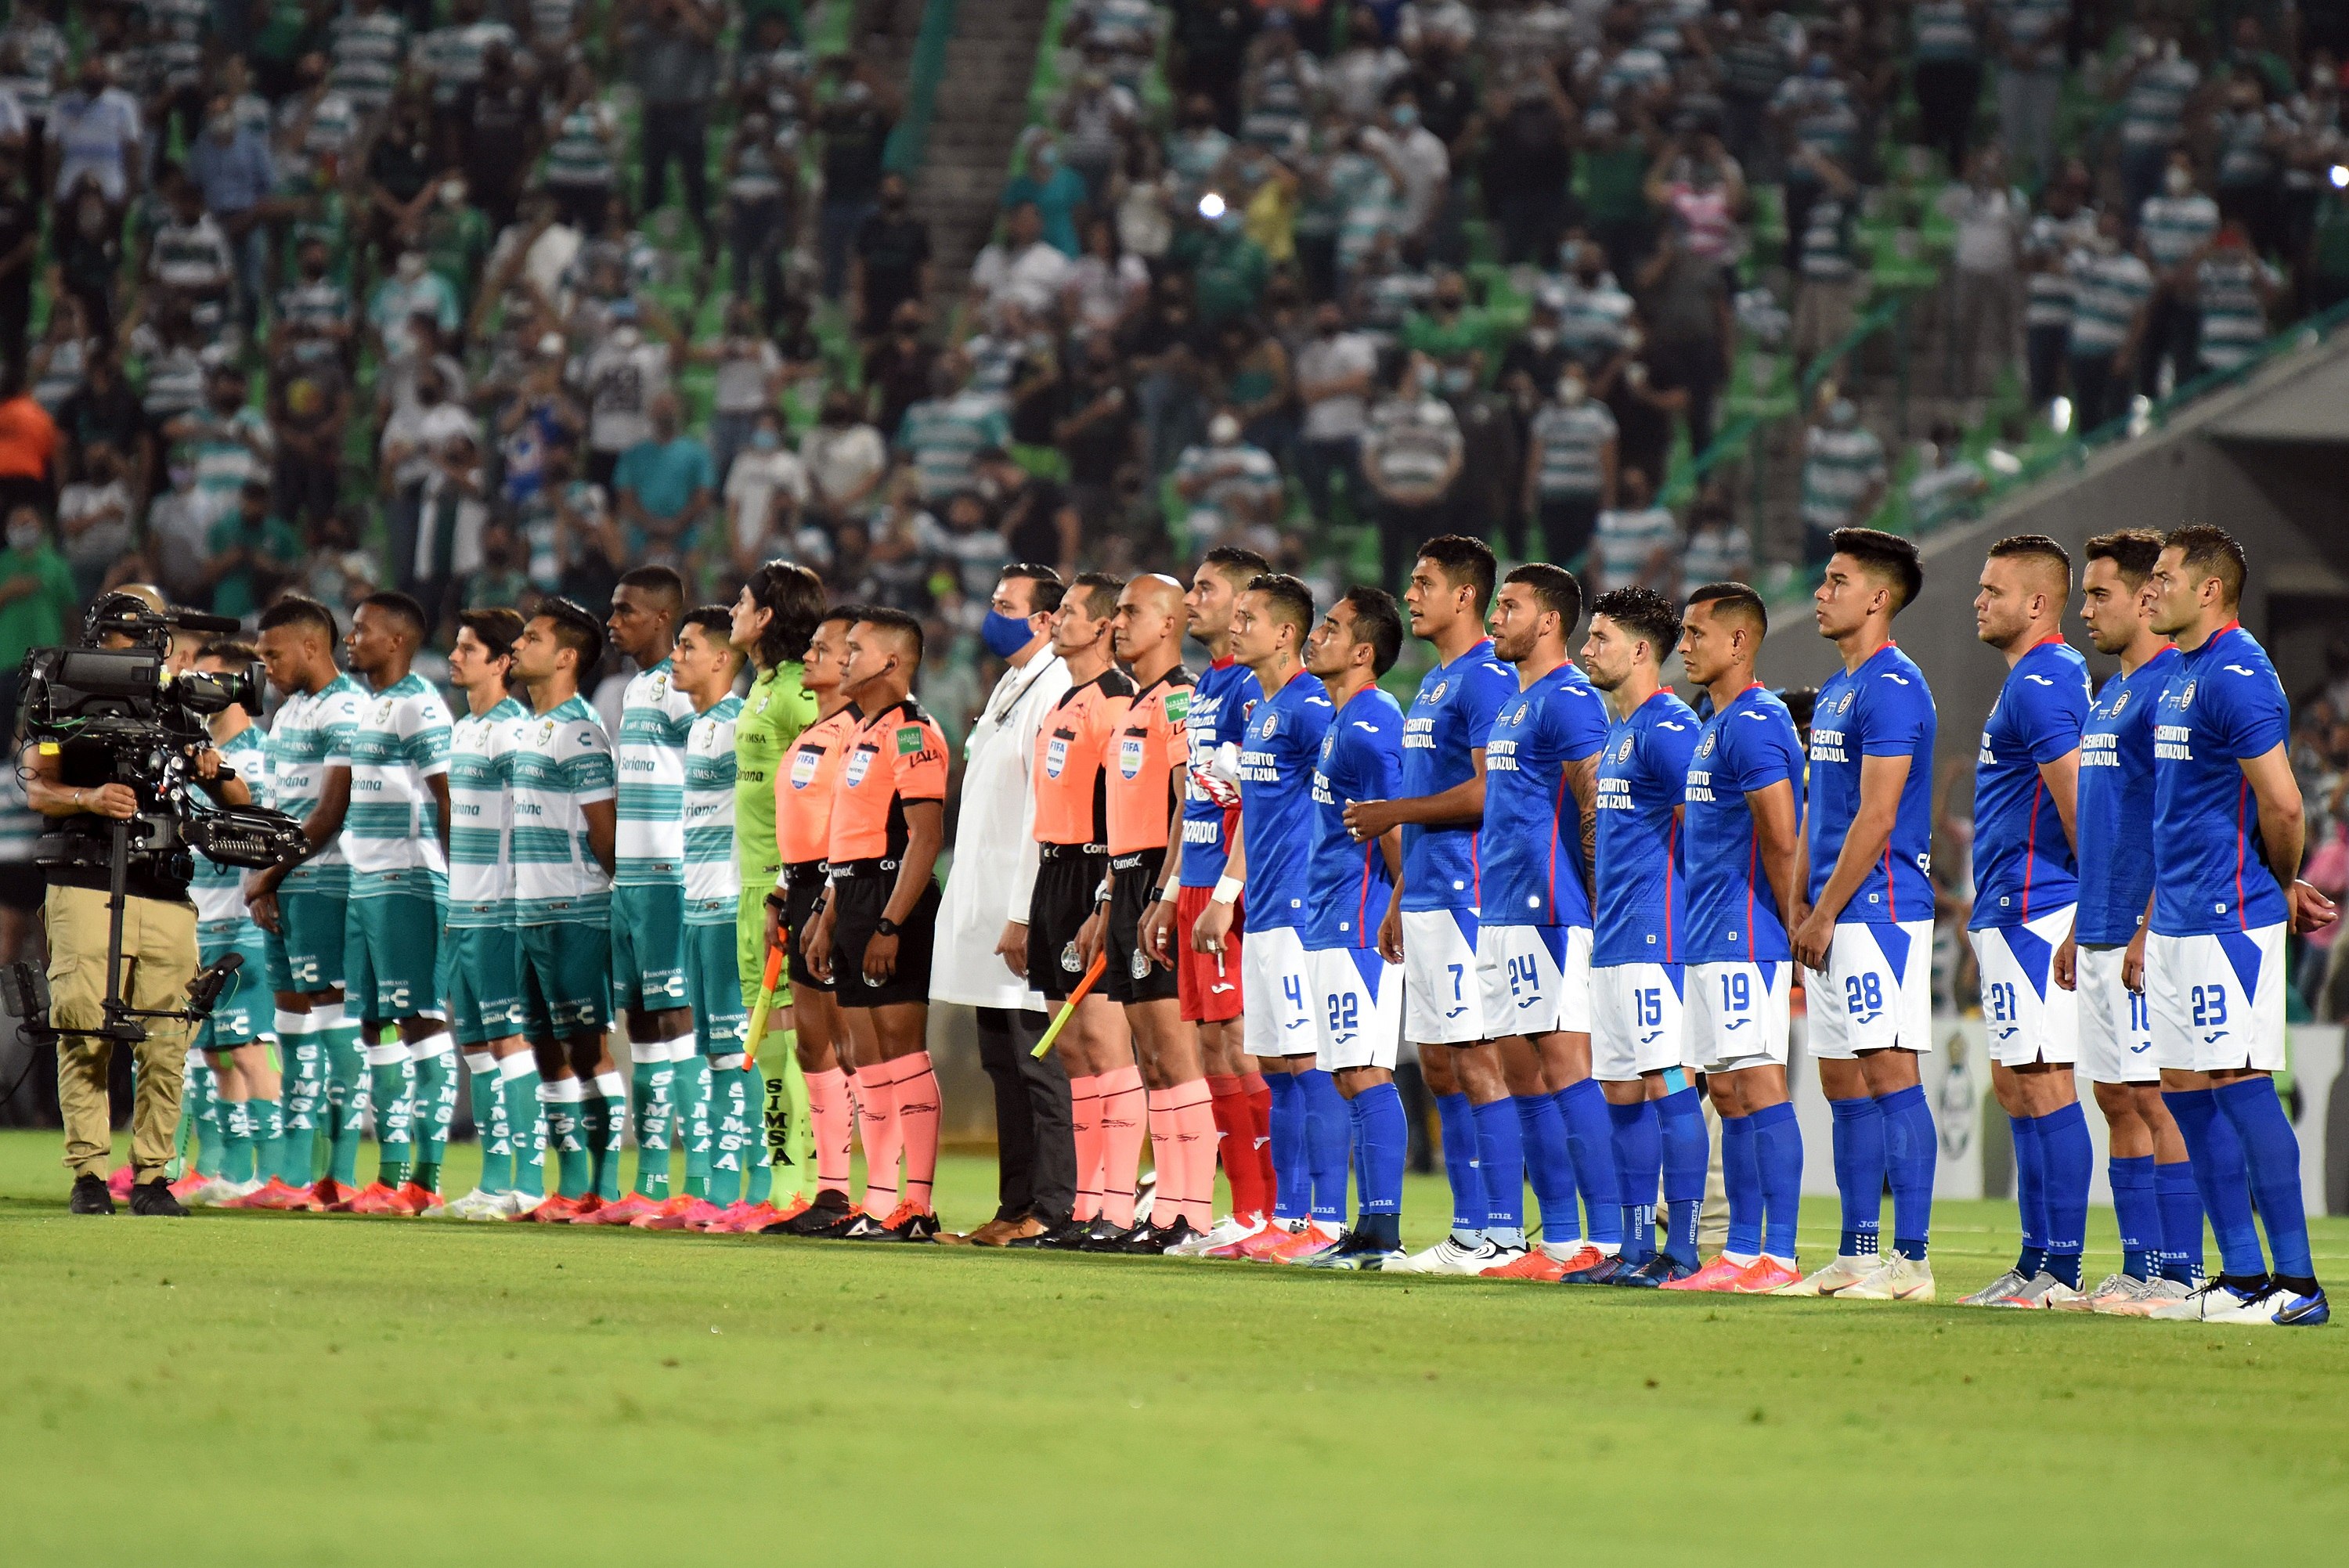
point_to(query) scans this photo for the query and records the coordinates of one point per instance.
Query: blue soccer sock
(2068, 1160)
(1501, 1162)
(2220, 1178)
(1680, 1118)
(2181, 1221)
(1860, 1173)
(1778, 1159)
(1909, 1152)
(2030, 1194)
(1639, 1168)
(2271, 1150)
(2135, 1212)
(1327, 1133)
(1458, 1126)
(1542, 1128)
(1292, 1159)
(1384, 1142)
(1590, 1144)
(1740, 1177)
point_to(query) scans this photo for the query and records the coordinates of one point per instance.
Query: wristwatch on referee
(884, 926)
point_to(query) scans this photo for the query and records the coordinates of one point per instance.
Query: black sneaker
(1153, 1240)
(828, 1218)
(1067, 1239)
(911, 1228)
(89, 1197)
(1116, 1241)
(154, 1198)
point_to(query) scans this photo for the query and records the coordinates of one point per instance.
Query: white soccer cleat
(1996, 1292)
(1230, 1231)
(479, 1205)
(1839, 1276)
(2258, 1309)
(222, 1192)
(2211, 1301)
(2158, 1292)
(1451, 1256)
(1897, 1278)
(523, 1203)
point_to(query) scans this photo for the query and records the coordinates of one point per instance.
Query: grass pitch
(249, 1388)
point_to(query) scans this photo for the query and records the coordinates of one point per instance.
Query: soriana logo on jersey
(1129, 755)
(859, 760)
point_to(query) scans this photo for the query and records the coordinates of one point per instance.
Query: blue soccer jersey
(2023, 866)
(1732, 911)
(1642, 775)
(1282, 742)
(1220, 705)
(1530, 848)
(2221, 707)
(2116, 802)
(1360, 759)
(1881, 709)
(1450, 718)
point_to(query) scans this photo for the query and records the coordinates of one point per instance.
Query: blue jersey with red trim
(1361, 759)
(1449, 720)
(2221, 707)
(1642, 775)
(1881, 709)
(1530, 848)
(1277, 755)
(1732, 912)
(2023, 866)
(2116, 802)
(1221, 701)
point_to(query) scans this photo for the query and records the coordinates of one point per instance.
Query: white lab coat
(995, 856)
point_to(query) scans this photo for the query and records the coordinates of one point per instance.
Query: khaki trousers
(159, 959)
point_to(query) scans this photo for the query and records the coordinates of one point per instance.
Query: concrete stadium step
(981, 108)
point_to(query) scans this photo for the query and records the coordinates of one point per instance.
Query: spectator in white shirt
(1019, 266)
(764, 492)
(1335, 375)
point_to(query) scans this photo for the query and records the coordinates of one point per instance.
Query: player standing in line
(1866, 927)
(1106, 1102)
(1357, 993)
(329, 1095)
(2026, 883)
(1430, 925)
(1143, 781)
(562, 781)
(477, 954)
(1533, 923)
(2228, 827)
(2154, 1200)
(803, 797)
(236, 1040)
(1741, 824)
(1270, 858)
(872, 934)
(1207, 985)
(648, 937)
(1640, 1048)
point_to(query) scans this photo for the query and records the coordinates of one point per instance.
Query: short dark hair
(909, 626)
(1645, 612)
(575, 629)
(229, 651)
(1292, 601)
(299, 610)
(1554, 590)
(1465, 561)
(1889, 556)
(1235, 563)
(2213, 552)
(794, 598)
(715, 619)
(2023, 546)
(848, 613)
(1097, 584)
(1800, 701)
(1735, 599)
(400, 607)
(664, 583)
(2132, 551)
(1045, 597)
(1376, 621)
(498, 628)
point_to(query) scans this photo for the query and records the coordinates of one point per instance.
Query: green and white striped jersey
(557, 763)
(217, 890)
(393, 823)
(367, 52)
(481, 817)
(309, 726)
(654, 719)
(709, 871)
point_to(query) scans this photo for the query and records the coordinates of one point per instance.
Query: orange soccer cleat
(1276, 1234)
(1535, 1264)
(743, 1219)
(1762, 1275)
(415, 1199)
(557, 1210)
(626, 1211)
(272, 1194)
(374, 1198)
(1309, 1242)
(331, 1196)
(672, 1211)
(1721, 1274)
(188, 1186)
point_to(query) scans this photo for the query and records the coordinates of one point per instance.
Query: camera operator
(76, 778)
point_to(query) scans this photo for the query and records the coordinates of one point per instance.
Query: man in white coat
(981, 957)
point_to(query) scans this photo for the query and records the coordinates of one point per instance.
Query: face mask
(411, 268)
(222, 126)
(1571, 391)
(1634, 340)
(1048, 159)
(765, 441)
(1406, 116)
(2104, 245)
(1841, 413)
(1819, 66)
(2179, 182)
(1543, 338)
(626, 336)
(1004, 635)
(1223, 430)
(25, 536)
(452, 193)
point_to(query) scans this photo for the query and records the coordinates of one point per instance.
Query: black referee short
(803, 885)
(1062, 903)
(1132, 976)
(860, 900)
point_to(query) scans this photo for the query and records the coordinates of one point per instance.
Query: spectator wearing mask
(94, 518)
(499, 127)
(37, 598)
(1336, 373)
(2235, 288)
(1231, 489)
(1019, 268)
(662, 488)
(1990, 215)
(1418, 155)
(2173, 228)
(96, 129)
(28, 447)
(1843, 473)
(2158, 84)
(749, 380)
(858, 116)
(2064, 225)
(309, 410)
(620, 378)
(1594, 312)
(2028, 38)
(673, 54)
(1097, 434)
(1056, 190)
(1828, 282)
(2112, 291)
(942, 435)
(413, 289)
(765, 489)
(1528, 165)
(1685, 299)
(844, 457)
(1948, 482)
(1643, 411)
(890, 260)
(1412, 458)
(253, 553)
(1945, 73)
(1570, 470)
(1039, 520)
(1638, 541)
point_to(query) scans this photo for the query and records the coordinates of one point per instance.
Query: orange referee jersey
(1072, 751)
(805, 786)
(1154, 747)
(897, 754)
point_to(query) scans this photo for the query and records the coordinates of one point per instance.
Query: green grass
(257, 1388)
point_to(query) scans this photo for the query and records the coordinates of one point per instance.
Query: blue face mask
(1005, 635)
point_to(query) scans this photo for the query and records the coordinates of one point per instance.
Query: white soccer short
(1358, 1003)
(1276, 990)
(1535, 979)
(1738, 1014)
(1639, 1020)
(1878, 991)
(2116, 1023)
(2217, 1000)
(2028, 1016)
(1442, 1005)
